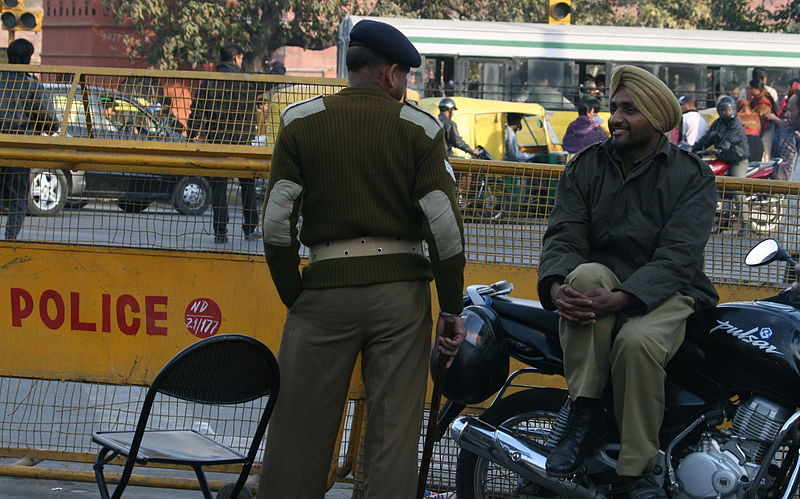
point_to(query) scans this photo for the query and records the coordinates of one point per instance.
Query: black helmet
(726, 107)
(481, 365)
(447, 104)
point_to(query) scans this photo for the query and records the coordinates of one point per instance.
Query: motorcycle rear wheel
(528, 412)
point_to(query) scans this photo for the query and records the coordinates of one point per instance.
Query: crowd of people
(766, 123)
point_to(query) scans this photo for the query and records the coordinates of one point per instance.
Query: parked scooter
(731, 427)
(764, 211)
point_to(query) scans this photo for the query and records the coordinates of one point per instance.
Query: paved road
(504, 242)
(28, 488)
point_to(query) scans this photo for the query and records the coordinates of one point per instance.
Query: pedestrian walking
(25, 109)
(224, 112)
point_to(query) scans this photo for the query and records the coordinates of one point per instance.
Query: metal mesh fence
(119, 196)
(221, 108)
(505, 210)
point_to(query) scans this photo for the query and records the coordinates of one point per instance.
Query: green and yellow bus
(551, 64)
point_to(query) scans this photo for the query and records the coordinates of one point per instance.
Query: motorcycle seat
(527, 312)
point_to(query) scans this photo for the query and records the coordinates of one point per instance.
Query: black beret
(385, 40)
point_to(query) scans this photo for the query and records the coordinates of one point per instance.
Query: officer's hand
(448, 345)
(796, 285)
(572, 306)
(607, 302)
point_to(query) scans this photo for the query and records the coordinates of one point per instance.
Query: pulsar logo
(750, 336)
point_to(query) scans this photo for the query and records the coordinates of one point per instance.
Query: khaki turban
(650, 95)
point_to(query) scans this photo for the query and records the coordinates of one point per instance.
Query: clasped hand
(448, 345)
(585, 308)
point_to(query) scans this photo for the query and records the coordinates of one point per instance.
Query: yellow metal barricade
(117, 267)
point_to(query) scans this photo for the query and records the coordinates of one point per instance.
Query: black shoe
(646, 487)
(221, 239)
(584, 432)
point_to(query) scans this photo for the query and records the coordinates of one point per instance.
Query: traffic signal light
(15, 18)
(559, 11)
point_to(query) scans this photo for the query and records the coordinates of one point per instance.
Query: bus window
(544, 82)
(416, 80)
(439, 76)
(486, 79)
(591, 81)
(779, 78)
(647, 67)
(683, 79)
(731, 81)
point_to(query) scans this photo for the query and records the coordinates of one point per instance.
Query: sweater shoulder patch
(303, 109)
(420, 117)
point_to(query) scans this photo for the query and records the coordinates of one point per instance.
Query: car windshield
(107, 112)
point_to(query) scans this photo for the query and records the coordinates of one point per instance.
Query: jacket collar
(228, 67)
(662, 151)
(366, 89)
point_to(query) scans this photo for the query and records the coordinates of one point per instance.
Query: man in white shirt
(694, 125)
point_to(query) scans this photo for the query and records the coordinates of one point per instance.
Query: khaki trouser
(325, 330)
(634, 351)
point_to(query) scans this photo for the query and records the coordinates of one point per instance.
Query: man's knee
(587, 276)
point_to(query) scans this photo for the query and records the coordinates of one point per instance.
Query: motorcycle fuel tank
(750, 346)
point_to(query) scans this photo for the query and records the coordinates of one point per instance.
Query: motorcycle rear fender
(533, 347)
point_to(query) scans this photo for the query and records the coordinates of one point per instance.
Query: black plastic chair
(222, 370)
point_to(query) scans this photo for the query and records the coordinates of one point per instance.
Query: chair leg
(123, 480)
(201, 477)
(99, 463)
(239, 486)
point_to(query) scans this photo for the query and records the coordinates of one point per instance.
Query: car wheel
(192, 195)
(49, 190)
(130, 206)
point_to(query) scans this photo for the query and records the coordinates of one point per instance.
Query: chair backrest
(224, 369)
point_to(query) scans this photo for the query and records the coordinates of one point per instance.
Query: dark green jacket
(650, 228)
(362, 164)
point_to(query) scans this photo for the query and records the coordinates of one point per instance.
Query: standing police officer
(373, 180)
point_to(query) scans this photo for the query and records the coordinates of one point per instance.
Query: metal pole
(433, 415)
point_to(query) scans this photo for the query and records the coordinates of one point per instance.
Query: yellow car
(482, 122)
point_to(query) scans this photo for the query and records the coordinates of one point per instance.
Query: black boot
(646, 487)
(585, 431)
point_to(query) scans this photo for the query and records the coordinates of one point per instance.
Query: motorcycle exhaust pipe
(519, 455)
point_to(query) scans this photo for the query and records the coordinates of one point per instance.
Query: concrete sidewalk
(33, 488)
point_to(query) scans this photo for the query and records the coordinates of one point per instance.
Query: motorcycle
(764, 211)
(731, 427)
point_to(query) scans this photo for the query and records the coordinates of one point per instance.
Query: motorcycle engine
(715, 470)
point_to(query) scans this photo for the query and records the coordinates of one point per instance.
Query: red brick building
(83, 33)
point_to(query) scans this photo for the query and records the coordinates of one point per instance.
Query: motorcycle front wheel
(531, 413)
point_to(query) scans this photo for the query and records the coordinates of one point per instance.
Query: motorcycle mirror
(765, 252)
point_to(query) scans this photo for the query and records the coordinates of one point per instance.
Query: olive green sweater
(359, 162)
